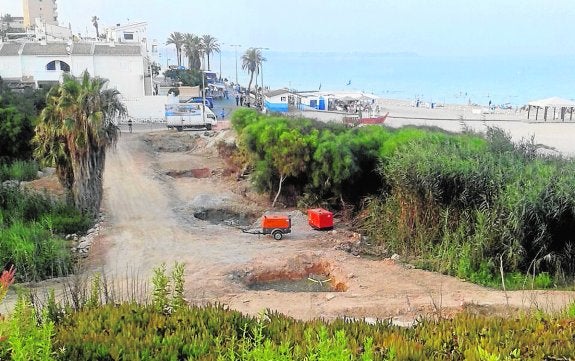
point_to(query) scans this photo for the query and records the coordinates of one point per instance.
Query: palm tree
(73, 132)
(177, 39)
(95, 23)
(210, 45)
(194, 51)
(252, 61)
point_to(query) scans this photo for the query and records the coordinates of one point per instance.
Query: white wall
(10, 67)
(125, 73)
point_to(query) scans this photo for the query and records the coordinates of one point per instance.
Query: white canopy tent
(555, 103)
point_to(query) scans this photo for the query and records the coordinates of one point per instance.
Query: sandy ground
(156, 180)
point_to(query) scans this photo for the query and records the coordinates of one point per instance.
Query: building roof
(47, 49)
(118, 49)
(554, 102)
(275, 93)
(9, 49)
(82, 48)
(65, 49)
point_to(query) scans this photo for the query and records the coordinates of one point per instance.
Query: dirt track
(150, 220)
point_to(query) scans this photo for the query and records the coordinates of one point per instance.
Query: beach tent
(555, 103)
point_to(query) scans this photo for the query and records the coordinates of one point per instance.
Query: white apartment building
(43, 9)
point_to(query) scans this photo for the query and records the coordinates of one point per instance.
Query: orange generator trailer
(275, 224)
(320, 219)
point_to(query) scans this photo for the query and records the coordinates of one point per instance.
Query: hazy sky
(427, 27)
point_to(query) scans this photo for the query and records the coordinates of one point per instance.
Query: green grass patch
(19, 170)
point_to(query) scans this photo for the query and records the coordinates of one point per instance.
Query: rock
(48, 171)
(39, 174)
(11, 184)
(395, 257)
(84, 245)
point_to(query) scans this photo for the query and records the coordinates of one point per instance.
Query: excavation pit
(295, 277)
(225, 217)
(311, 283)
(190, 173)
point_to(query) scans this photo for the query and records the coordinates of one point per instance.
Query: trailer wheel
(277, 235)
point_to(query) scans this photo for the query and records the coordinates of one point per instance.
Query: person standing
(237, 100)
(130, 125)
(222, 113)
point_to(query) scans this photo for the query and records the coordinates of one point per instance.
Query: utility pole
(236, 46)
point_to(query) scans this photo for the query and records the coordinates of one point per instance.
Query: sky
(425, 27)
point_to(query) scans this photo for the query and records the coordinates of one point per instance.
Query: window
(283, 99)
(128, 36)
(64, 67)
(58, 65)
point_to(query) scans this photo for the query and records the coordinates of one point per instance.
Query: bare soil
(155, 182)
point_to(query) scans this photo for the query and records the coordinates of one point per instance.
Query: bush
(30, 229)
(130, 331)
(19, 170)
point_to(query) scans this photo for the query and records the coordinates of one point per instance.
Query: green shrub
(19, 170)
(36, 252)
(28, 338)
(30, 229)
(130, 331)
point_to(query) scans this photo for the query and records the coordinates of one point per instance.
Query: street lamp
(220, 51)
(236, 46)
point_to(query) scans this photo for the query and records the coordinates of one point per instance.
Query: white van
(189, 115)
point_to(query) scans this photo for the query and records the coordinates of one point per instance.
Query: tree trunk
(282, 178)
(250, 85)
(87, 188)
(208, 55)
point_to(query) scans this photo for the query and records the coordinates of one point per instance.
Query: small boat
(354, 122)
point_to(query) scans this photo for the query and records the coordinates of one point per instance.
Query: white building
(128, 33)
(41, 64)
(42, 9)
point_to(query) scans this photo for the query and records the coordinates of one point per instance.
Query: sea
(513, 80)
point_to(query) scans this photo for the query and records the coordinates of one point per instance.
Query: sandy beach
(552, 133)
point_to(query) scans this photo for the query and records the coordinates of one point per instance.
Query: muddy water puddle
(312, 283)
(225, 217)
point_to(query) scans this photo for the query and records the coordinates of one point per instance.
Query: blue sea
(441, 79)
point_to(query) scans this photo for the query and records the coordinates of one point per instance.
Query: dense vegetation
(32, 225)
(471, 205)
(18, 111)
(94, 326)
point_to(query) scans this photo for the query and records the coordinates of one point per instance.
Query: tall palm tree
(95, 23)
(252, 61)
(210, 45)
(73, 132)
(177, 39)
(194, 51)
